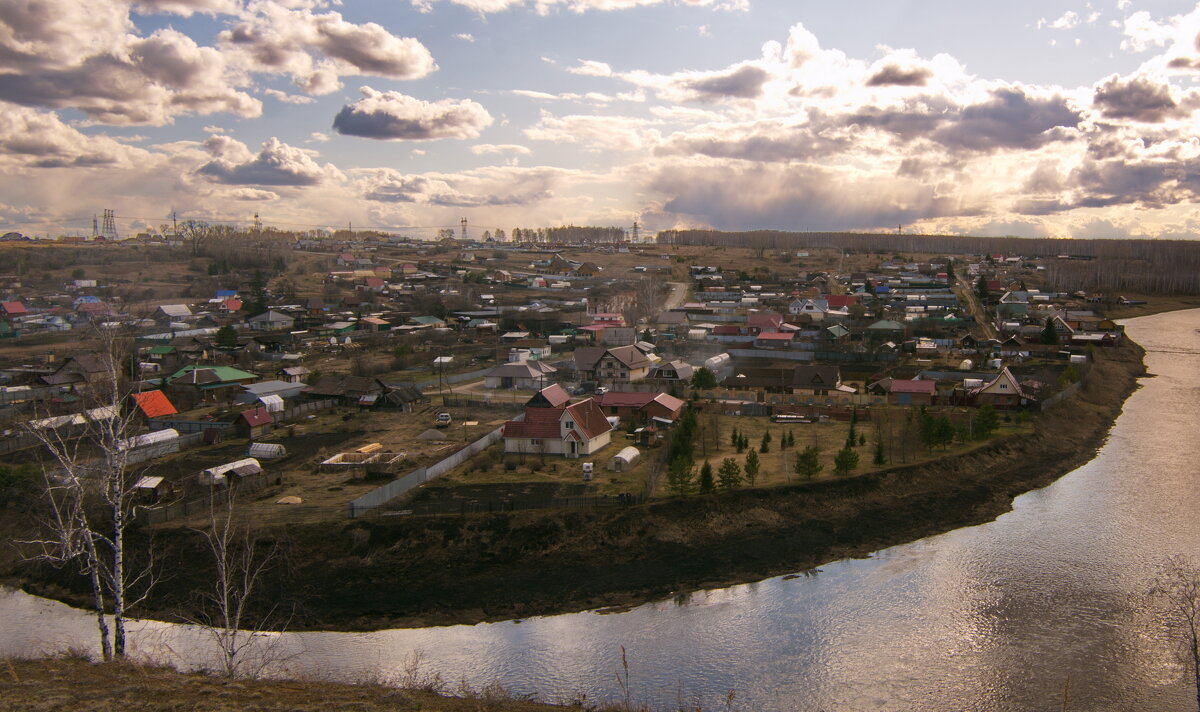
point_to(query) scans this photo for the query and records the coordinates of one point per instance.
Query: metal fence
(419, 476)
(512, 504)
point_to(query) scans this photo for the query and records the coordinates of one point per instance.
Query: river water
(1045, 603)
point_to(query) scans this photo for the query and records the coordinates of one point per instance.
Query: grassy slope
(52, 684)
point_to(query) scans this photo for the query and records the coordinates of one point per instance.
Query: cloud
(465, 37)
(1143, 32)
(318, 137)
(545, 7)
(289, 98)
(187, 8)
(618, 133)
(395, 116)
(893, 75)
(277, 164)
(592, 68)
(760, 141)
(486, 148)
(1066, 21)
(1140, 99)
(147, 80)
(485, 187)
(798, 197)
(252, 194)
(318, 48)
(745, 82)
(34, 139)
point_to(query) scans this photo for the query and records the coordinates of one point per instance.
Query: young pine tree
(765, 446)
(729, 477)
(751, 467)
(808, 463)
(845, 461)
(706, 484)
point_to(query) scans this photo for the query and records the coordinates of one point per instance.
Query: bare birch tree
(90, 490)
(1177, 589)
(240, 560)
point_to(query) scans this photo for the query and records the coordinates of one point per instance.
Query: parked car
(442, 420)
(601, 390)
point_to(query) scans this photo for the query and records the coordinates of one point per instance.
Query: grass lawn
(776, 465)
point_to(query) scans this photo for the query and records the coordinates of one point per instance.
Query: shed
(625, 460)
(217, 476)
(255, 423)
(273, 404)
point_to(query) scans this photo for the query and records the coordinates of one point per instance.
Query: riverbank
(73, 683)
(397, 572)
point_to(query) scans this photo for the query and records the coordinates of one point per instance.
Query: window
(570, 425)
(535, 443)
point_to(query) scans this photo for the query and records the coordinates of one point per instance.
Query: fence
(176, 510)
(188, 426)
(454, 378)
(512, 504)
(419, 476)
(303, 408)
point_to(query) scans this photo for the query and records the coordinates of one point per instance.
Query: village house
(532, 374)
(622, 364)
(551, 426)
(254, 423)
(1002, 392)
(905, 392)
(272, 320)
(641, 407)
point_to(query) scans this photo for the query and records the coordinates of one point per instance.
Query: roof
(587, 414)
(776, 336)
(520, 369)
(629, 356)
(898, 385)
(614, 399)
(175, 310)
(154, 404)
(348, 386)
(256, 417)
(549, 397)
(221, 374)
(13, 308)
(263, 388)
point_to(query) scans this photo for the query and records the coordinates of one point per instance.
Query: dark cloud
(743, 83)
(910, 122)
(762, 143)
(1139, 99)
(400, 190)
(795, 198)
(394, 116)
(1011, 120)
(894, 75)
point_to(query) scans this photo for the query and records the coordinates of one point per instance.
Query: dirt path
(679, 291)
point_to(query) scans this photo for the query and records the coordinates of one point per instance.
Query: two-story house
(553, 426)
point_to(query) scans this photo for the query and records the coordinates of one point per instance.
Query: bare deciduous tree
(90, 490)
(1177, 590)
(240, 560)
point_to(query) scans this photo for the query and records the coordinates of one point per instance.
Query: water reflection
(1002, 616)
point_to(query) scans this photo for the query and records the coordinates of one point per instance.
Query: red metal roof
(256, 417)
(777, 336)
(154, 404)
(13, 308)
(539, 423)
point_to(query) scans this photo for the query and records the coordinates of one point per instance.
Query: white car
(601, 390)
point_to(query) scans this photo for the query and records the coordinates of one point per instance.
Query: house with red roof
(641, 406)
(11, 309)
(568, 429)
(901, 391)
(153, 404)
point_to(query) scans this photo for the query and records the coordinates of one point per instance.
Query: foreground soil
(75, 684)
(410, 572)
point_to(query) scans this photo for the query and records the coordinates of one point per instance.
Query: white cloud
(465, 37)
(318, 137)
(486, 148)
(1143, 32)
(545, 7)
(1066, 21)
(617, 133)
(315, 49)
(34, 139)
(289, 98)
(277, 164)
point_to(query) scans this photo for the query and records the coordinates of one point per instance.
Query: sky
(1047, 118)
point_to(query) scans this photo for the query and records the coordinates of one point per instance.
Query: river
(1044, 602)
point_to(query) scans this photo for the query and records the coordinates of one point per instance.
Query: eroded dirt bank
(380, 573)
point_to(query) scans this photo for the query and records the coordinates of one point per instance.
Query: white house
(569, 430)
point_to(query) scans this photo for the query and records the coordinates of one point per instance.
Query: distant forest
(1141, 266)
